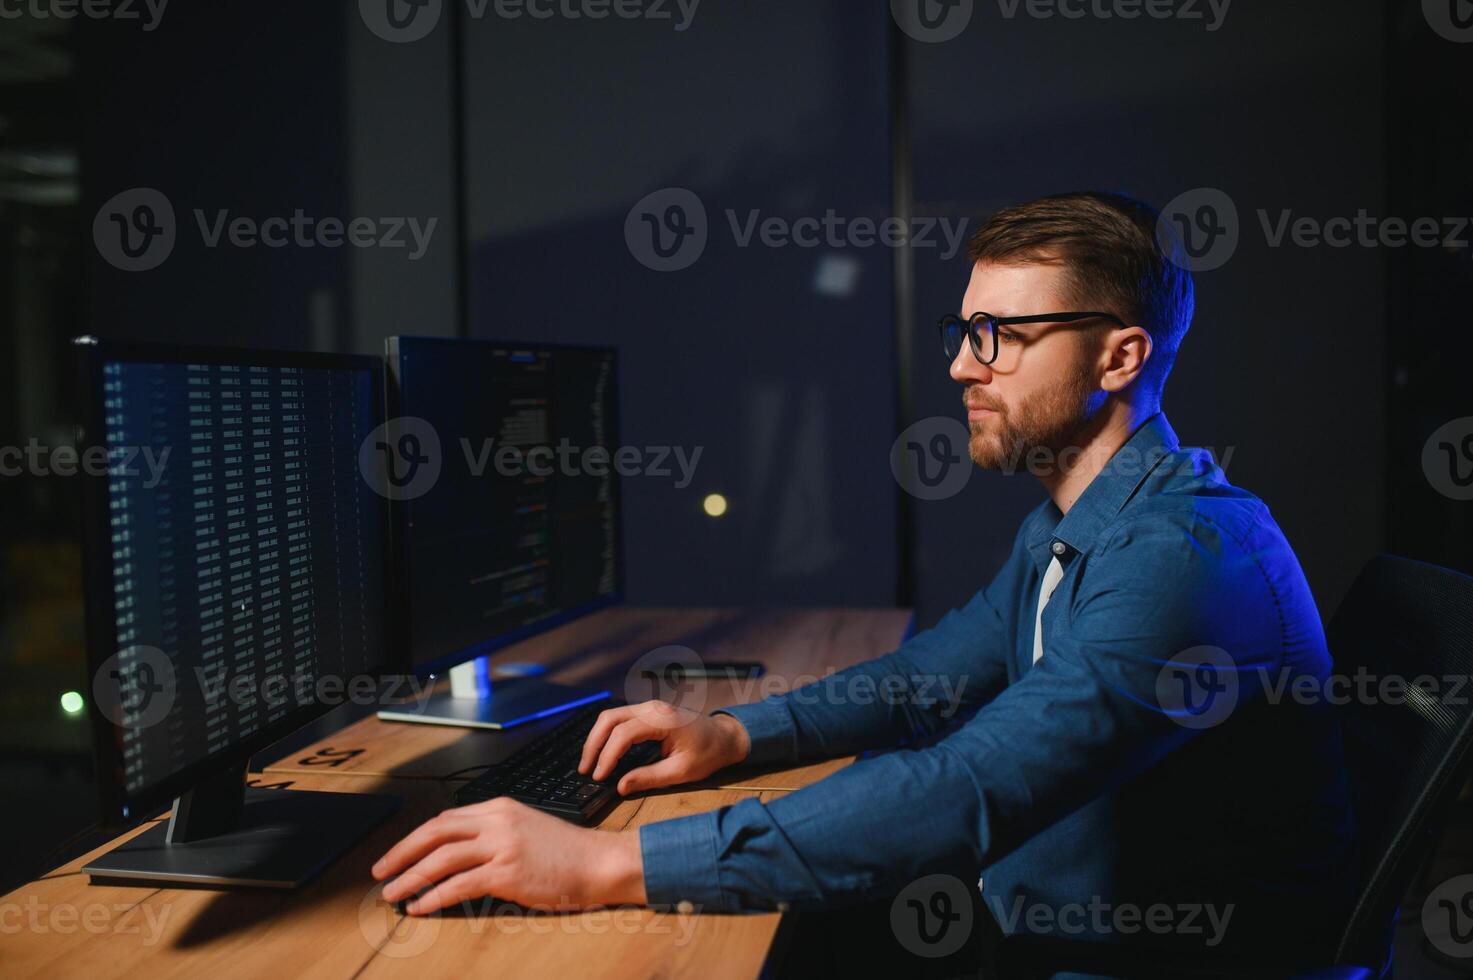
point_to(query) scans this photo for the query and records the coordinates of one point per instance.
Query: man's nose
(966, 369)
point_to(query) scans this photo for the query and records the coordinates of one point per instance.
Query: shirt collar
(1106, 494)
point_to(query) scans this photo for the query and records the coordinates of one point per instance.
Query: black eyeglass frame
(974, 328)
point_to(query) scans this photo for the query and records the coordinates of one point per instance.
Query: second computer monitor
(503, 460)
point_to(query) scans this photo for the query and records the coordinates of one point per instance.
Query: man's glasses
(981, 330)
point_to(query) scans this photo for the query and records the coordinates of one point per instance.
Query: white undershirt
(1051, 577)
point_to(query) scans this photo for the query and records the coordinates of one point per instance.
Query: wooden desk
(337, 926)
(795, 645)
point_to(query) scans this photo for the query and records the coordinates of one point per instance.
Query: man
(1120, 767)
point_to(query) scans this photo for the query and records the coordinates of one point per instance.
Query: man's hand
(504, 849)
(693, 745)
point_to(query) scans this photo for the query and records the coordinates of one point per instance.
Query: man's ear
(1126, 353)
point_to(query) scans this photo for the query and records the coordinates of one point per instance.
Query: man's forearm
(914, 691)
(621, 876)
(878, 704)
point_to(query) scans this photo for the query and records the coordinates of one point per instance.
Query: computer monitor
(236, 581)
(501, 463)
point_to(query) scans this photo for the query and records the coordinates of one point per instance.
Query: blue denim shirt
(1144, 761)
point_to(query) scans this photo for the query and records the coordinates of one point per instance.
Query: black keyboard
(544, 773)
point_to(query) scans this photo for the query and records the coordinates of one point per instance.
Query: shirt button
(684, 907)
(1059, 548)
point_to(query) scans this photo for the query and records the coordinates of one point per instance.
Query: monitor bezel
(116, 804)
(407, 662)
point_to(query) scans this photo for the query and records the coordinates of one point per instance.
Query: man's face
(1043, 387)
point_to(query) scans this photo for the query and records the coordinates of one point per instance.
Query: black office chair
(1406, 764)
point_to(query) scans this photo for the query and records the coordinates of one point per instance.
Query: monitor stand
(222, 832)
(471, 702)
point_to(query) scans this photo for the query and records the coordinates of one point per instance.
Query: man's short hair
(1113, 262)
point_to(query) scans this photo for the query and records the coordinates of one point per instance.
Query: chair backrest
(1408, 755)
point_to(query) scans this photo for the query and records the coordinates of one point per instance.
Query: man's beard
(1046, 424)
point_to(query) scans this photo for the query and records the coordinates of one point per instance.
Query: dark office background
(1322, 371)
